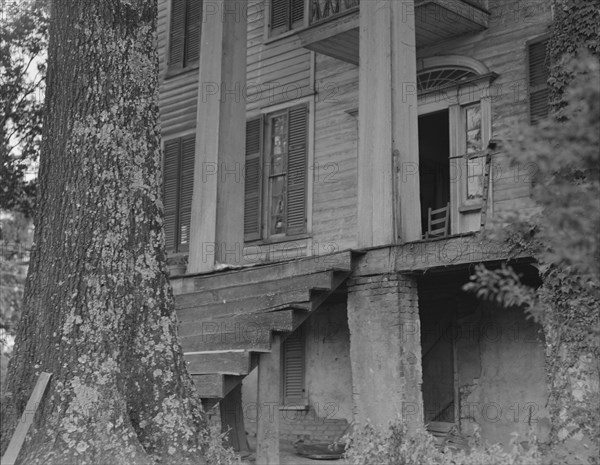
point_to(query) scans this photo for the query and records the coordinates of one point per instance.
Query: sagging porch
(297, 350)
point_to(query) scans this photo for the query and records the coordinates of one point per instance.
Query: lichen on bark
(98, 308)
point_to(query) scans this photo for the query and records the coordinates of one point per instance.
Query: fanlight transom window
(442, 77)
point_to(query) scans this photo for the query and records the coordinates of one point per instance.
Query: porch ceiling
(435, 21)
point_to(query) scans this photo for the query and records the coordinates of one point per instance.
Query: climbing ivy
(563, 238)
(576, 27)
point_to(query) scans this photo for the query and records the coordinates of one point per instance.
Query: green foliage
(215, 452)
(563, 238)
(23, 44)
(576, 27)
(399, 446)
(15, 241)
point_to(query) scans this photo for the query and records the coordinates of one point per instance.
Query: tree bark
(98, 308)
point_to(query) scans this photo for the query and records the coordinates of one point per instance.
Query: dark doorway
(434, 164)
(438, 305)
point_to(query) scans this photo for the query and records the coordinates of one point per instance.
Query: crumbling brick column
(385, 348)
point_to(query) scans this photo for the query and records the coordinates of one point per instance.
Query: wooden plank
(429, 254)
(223, 362)
(281, 320)
(241, 306)
(268, 272)
(269, 390)
(327, 29)
(257, 339)
(232, 420)
(319, 281)
(18, 438)
(209, 385)
(215, 386)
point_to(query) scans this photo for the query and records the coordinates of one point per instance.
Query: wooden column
(269, 390)
(218, 198)
(388, 192)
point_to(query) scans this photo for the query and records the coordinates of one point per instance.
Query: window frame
(456, 99)
(528, 45)
(179, 248)
(184, 66)
(265, 113)
(300, 403)
(268, 31)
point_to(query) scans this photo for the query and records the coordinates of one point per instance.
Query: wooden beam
(327, 29)
(215, 385)
(215, 337)
(218, 196)
(405, 133)
(280, 320)
(320, 280)
(269, 272)
(425, 255)
(18, 438)
(232, 420)
(268, 399)
(223, 362)
(388, 199)
(244, 306)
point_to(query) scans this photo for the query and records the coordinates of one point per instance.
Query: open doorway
(434, 166)
(438, 305)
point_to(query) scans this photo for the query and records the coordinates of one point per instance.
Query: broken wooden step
(253, 325)
(229, 362)
(213, 336)
(272, 272)
(215, 386)
(315, 281)
(196, 310)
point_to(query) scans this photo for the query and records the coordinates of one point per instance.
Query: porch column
(218, 197)
(269, 391)
(385, 349)
(388, 154)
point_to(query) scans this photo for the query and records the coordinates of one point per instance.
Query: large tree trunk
(98, 309)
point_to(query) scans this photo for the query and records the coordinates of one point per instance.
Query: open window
(276, 175)
(454, 95)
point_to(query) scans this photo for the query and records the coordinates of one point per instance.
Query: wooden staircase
(226, 319)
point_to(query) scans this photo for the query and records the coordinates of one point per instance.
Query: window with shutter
(184, 37)
(253, 180)
(178, 185)
(538, 73)
(276, 200)
(293, 359)
(285, 16)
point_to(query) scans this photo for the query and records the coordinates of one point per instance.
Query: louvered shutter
(296, 170)
(188, 150)
(193, 23)
(538, 81)
(297, 13)
(170, 191)
(280, 15)
(293, 369)
(177, 33)
(253, 179)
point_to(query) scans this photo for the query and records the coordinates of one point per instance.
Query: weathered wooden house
(328, 168)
